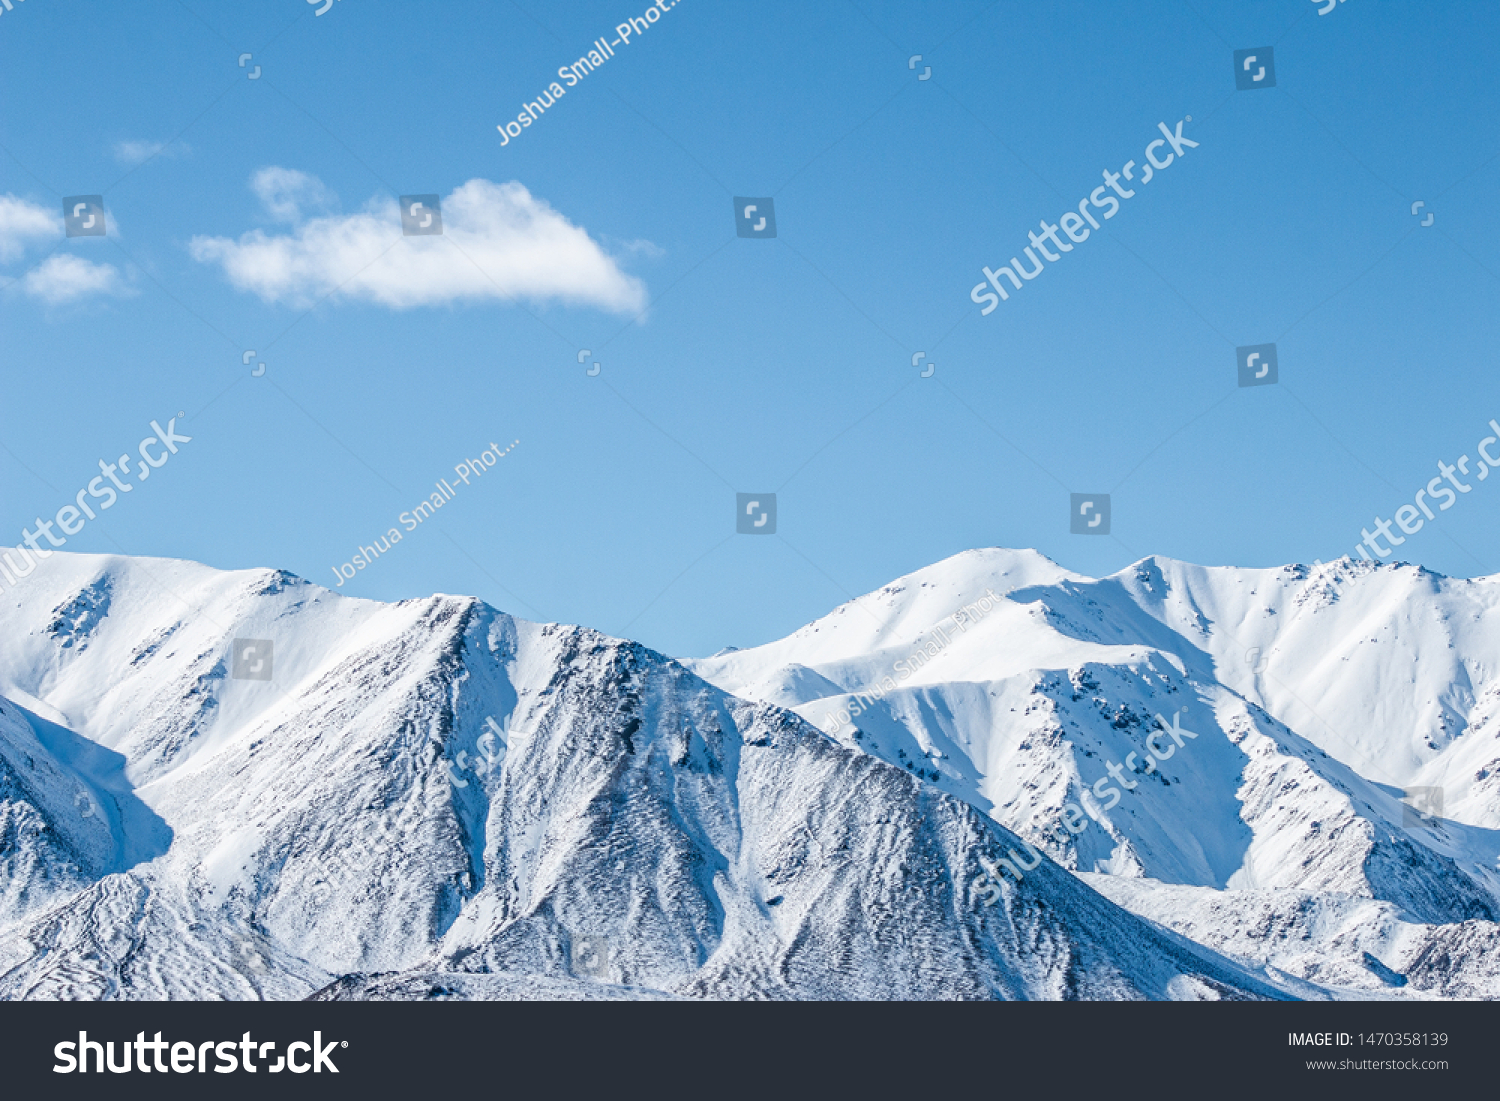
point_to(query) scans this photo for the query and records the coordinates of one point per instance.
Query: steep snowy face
(53, 835)
(1394, 670)
(292, 790)
(137, 652)
(1053, 702)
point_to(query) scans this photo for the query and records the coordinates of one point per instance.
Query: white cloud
(22, 222)
(65, 278)
(60, 278)
(288, 195)
(498, 242)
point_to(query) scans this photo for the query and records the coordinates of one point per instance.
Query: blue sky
(739, 365)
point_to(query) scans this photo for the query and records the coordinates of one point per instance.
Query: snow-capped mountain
(1239, 738)
(239, 785)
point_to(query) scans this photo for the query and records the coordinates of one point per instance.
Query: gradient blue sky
(778, 365)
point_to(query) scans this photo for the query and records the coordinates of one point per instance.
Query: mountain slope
(1045, 699)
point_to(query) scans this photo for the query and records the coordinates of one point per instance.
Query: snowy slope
(434, 799)
(1015, 685)
(1355, 947)
(49, 848)
(1391, 668)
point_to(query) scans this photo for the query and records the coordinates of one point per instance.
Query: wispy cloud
(291, 196)
(133, 153)
(498, 242)
(643, 247)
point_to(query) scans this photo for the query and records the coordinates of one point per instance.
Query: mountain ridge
(1320, 698)
(355, 825)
